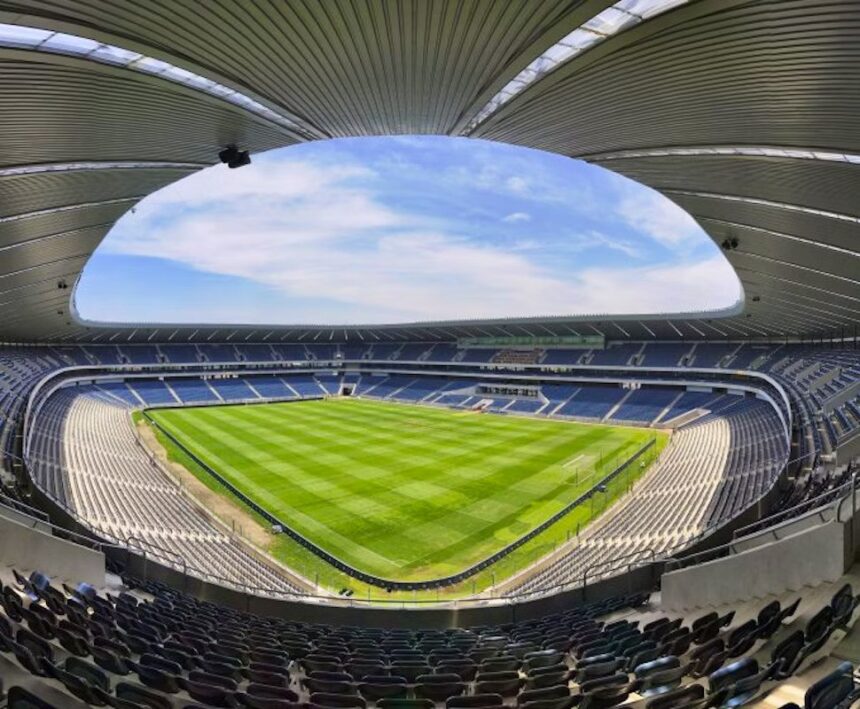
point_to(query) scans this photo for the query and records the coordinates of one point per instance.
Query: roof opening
(402, 229)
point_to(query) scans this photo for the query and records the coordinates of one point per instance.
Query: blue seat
(835, 691)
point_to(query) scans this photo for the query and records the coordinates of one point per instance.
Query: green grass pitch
(406, 492)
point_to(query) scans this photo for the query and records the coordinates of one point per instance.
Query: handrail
(90, 542)
(357, 601)
(129, 540)
(23, 508)
(675, 564)
(631, 555)
(853, 496)
(793, 512)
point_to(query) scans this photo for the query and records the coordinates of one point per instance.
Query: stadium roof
(745, 113)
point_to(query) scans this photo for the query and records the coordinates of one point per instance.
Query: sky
(402, 229)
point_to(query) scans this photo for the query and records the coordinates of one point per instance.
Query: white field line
(573, 460)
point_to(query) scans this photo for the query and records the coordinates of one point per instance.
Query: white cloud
(517, 184)
(664, 221)
(682, 287)
(599, 239)
(514, 217)
(318, 235)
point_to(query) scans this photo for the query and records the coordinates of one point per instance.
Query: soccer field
(405, 492)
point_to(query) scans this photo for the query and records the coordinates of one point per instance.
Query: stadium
(646, 510)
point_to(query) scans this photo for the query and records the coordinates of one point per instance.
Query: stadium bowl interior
(707, 562)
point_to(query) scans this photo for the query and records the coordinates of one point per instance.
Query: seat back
(829, 691)
(337, 701)
(677, 698)
(786, 654)
(475, 701)
(732, 674)
(660, 665)
(21, 698)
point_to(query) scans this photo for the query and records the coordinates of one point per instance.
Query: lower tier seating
(85, 455)
(710, 471)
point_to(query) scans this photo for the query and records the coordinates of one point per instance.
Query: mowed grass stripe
(350, 482)
(386, 510)
(398, 490)
(426, 481)
(468, 526)
(268, 496)
(445, 506)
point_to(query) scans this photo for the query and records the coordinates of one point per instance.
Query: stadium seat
(475, 701)
(439, 687)
(835, 691)
(383, 687)
(681, 698)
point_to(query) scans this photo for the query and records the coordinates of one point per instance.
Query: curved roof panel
(738, 110)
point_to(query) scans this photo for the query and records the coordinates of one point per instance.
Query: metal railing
(628, 562)
(796, 511)
(23, 508)
(42, 520)
(147, 551)
(834, 506)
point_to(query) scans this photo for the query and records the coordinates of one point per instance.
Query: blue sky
(372, 230)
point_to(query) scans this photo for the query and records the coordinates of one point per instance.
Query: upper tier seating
(290, 353)
(442, 352)
(618, 354)
(108, 354)
(219, 353)
(562, 356)
(526, 356)
(72, 356)
(707, 355)
(180, 354)
(192, 390)
(665, 354)
(322, 353)
(477, 355)
(645, 404)
(20, 369)
(255, 353)
(749, 355)
(140, 354)
(410, 353)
